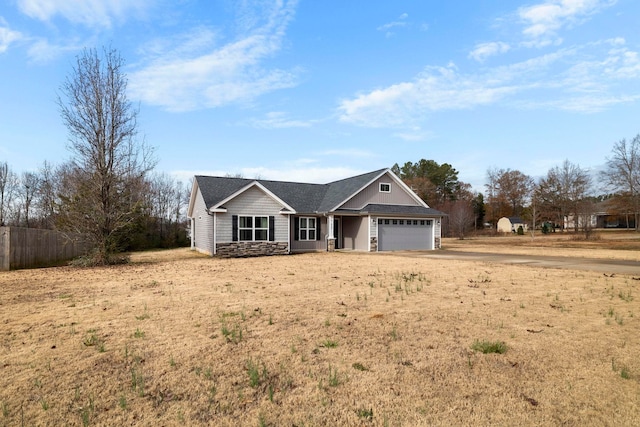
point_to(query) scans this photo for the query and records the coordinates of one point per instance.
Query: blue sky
(316, 91)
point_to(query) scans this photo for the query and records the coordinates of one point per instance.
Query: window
(261, 228)
(307, 230)
(385, 188)
(253, 228)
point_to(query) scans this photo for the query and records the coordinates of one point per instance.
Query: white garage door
(404, 234)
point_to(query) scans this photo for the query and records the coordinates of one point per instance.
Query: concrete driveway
(608, 266)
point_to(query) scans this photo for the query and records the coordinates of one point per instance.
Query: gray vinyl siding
(372, 194)
(355, 231)
(253, 202)
(203, 224)
(310, 245)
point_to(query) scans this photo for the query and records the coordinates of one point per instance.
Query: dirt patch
(175, 338)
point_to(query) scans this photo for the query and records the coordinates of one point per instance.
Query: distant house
(603, 214)
(372, 212)
(511, 224)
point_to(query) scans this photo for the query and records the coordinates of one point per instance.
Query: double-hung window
(253, 228)
(307, 230)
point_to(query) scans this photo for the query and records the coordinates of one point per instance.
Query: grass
(256, 375)
(233, 334)
(328, 343)
(334, 379)
(487, 347)
(365, 413)
(359, 366)
(178, 374)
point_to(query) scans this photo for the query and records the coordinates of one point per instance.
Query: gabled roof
(301, 197)
(339, 191)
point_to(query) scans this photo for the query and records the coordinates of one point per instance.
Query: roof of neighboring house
(304, 198)
(515, 220)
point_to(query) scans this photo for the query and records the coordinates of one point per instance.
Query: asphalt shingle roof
(305, 198)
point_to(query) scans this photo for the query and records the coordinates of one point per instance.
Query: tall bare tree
(563, 193)
(109, 163)
(8, 190)
(29, 186)
(461, 212)
(622, 175)
(47, 195)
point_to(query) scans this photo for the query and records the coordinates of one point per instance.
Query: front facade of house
(372, 212)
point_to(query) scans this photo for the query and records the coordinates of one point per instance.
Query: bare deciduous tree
(109, 164)
(8, 190)
(622, 175)
(563, 193)
(29, 185)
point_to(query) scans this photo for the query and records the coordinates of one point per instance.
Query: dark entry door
(336, 233)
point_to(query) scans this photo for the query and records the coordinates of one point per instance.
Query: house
(511, 224)
(372, 212)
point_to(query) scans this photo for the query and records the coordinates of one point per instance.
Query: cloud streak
(182, 80)
(400, 22)
(542, 21)
(7, 36)
(584, 79)
(90, 13)
(280, 120)
(484, 50)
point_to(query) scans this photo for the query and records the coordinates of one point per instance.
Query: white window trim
(384, 191)
(307, 228)
(253, 228)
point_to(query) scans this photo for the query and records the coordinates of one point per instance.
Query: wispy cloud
(436, 89)
(182, 80)
(484, 50)
(7, 36)
(387, 28)
(42, 50)
(542, 21)
(90, 13)
(586, 79)
(280, 120)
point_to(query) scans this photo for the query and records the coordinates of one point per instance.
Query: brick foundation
(373, 244)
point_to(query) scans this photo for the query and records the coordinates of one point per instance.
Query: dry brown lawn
(347, 339)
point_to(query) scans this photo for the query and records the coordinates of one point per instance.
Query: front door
(336, 233)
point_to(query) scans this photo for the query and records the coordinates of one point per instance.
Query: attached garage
(395, 234)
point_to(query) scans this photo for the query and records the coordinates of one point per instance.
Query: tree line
(44, 199)
(565, 198)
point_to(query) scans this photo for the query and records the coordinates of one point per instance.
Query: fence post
(5, 245)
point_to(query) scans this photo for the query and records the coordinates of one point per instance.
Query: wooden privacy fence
(32, 247)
